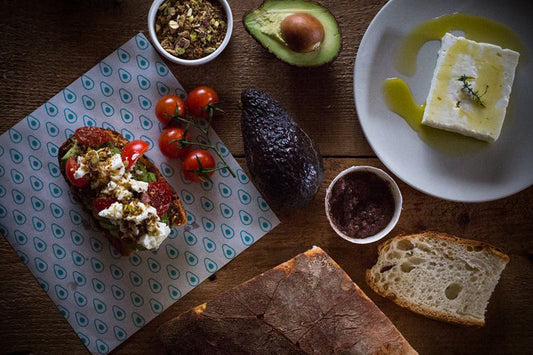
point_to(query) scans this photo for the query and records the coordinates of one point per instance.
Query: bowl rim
(153, 37)
(396, 193)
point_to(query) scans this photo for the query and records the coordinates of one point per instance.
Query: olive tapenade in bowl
(363, 204)
(190, 32)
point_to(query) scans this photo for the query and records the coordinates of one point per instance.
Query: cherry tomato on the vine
(133, 151)
(168, 106)
(70, 168)
(200, 99)
(169, 142)
(198, 165)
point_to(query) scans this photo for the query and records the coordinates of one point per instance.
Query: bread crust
(176, 212)
(465, 320)
(307, 305)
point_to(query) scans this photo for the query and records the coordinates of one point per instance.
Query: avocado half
(264, 24)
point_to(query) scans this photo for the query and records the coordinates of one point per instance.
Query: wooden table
(48, 44)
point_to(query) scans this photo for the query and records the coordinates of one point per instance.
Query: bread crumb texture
(438, 275)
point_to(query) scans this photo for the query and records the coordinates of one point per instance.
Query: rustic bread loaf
(438, 275)
(305, 305)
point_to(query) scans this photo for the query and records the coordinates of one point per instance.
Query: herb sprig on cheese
(474, 94)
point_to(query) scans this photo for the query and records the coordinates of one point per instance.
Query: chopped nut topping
(190, 29)
(173, 24)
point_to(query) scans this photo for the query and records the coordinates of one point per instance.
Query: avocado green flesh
(72, 152)
(142, 174)
(75, 150)
(110, 227)
(264, 24)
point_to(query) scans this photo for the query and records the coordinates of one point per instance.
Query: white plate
(476, 173)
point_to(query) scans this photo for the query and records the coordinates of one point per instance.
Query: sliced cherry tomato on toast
(200, 101)
(133, 151)
(169, 142)
(160, 196)
(168, 106)
(101, 203)
(198, 165)
(70, 168)
(92, 136)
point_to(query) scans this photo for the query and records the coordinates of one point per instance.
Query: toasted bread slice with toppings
(117, 197)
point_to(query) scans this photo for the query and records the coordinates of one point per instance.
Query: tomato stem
(203, 173)
(183, 142)
(211, 109)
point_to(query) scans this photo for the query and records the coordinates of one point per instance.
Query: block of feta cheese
(470, 88)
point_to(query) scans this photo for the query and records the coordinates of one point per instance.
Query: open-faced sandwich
(122, 189)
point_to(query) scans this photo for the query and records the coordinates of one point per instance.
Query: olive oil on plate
(397, 93)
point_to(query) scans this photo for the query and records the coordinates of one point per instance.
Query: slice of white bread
(438, 275)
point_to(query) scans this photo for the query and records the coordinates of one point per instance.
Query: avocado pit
(302, 32)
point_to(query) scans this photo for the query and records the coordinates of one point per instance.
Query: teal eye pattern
(69, 96)
(106, 297)
(105, 69)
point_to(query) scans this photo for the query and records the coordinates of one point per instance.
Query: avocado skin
(283, 161)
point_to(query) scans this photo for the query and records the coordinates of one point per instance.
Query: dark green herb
(474, 94)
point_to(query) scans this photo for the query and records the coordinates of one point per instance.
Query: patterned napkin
(105, 297)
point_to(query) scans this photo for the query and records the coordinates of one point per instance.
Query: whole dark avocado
(302, 33)
(283, 161)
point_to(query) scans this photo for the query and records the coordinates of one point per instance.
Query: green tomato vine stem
(183, 142)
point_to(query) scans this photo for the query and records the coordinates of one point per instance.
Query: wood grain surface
(48, 44)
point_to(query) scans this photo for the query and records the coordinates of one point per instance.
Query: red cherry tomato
(169, 106)
(92, 136)
(200, 99)
(160, 196)
(198, 165)
(101, 203)
(168, 142)
(133, 151)
(70, 168)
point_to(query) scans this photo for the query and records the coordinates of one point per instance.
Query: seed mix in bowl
(190, 29)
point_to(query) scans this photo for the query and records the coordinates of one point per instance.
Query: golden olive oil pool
(397, 93)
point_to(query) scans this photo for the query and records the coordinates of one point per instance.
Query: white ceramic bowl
(395, 191)
(151, 29)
